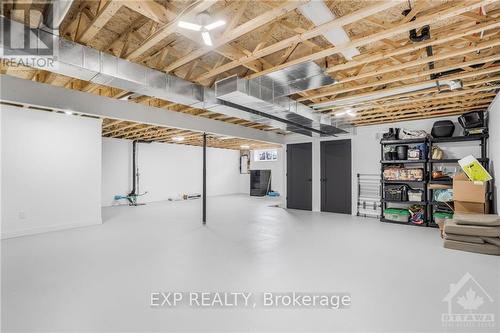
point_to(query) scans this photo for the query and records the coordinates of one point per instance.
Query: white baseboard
(49, 228)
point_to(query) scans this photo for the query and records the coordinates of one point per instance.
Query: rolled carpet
(464, 238)
(472, 247)
(451, 227)
(489, 220)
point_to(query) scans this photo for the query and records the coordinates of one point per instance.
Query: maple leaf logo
(470, 301)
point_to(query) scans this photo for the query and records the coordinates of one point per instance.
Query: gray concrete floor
(99, 278)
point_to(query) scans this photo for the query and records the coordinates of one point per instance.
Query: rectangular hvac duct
(299, 77)
(262, 96)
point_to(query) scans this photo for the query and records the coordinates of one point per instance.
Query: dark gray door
(299, 176)
(336, 177)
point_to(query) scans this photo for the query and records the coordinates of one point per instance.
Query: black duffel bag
(396, 192)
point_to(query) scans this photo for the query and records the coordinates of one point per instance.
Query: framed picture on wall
(265, 155)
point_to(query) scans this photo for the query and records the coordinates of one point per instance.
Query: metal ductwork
(88, 64)
(266, 97)
(54, 15)
(296, 78)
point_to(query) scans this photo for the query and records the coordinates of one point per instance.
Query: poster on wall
(266, 155)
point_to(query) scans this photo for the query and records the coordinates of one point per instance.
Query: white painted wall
(276, 167)
(494, 147)
(1, 164)
(116, 169)
(365, 146)
(51, 171)
(168, 170)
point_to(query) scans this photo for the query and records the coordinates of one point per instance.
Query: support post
(204, 194)
(316, 173)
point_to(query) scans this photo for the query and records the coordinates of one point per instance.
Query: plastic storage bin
(392, 173)
(397, 214)
(441, 217)
(415, 195)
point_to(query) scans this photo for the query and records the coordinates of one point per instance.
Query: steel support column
(204, 195)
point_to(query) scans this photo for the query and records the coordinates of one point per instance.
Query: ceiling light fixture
(245, 147)
(178, 138)
(68, 112)
(203, 26)
(348, 112)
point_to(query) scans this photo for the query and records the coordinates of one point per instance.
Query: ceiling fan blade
(215, 25)
(189, 26)
(206, 38)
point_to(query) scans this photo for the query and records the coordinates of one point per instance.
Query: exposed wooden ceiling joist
(103, 15)
(492, 24)
(338, 22)
(239, 31)
(404, 99)
(415, 75)
(421, 21)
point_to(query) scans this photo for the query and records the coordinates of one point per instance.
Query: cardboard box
(469, 197)
(472, 207)
(466, 191)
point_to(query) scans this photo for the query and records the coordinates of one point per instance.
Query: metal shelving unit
(403, 161)
(428, 164)
(406, 223)
(416, 184)
(480, 138)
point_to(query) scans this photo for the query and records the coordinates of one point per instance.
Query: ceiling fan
(203, 25)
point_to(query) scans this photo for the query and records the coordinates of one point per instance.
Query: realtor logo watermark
(469, 305)
(239, 299)
(26, 38)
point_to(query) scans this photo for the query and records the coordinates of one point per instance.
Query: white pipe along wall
(51, 171)
(168, 170)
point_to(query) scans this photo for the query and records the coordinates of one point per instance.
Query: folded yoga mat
(451, 227)
(492, 240)
(463, 238)
(489, 220)
(471, 247)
